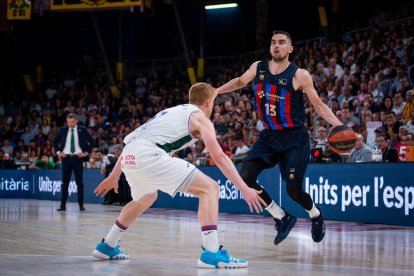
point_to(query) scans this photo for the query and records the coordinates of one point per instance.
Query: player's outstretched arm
(239, 82)
(111, 182)
(223, 162)
(305, 82)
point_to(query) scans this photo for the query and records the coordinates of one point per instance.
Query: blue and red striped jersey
(278, 104)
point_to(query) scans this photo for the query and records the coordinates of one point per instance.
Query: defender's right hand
(106, 185)
(252, 198)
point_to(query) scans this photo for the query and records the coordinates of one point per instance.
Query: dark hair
(283, 33)
(390, 113)
(383, 103)
(72, 116)
(383, 135)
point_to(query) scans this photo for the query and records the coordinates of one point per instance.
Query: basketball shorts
(290, 148)
(148, 169)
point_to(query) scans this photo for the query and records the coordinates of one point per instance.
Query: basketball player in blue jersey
(279, 86)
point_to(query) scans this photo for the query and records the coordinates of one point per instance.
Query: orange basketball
(342, 139)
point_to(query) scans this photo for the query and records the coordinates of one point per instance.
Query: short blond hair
(200, 92)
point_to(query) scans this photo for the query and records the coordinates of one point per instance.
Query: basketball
(342, 139)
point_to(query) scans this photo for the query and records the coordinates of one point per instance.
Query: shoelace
(117, 244)
(224, 252)
(279, 224)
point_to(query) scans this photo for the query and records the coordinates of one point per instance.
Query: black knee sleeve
(249, 172)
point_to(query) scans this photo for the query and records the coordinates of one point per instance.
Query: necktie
(72, 141)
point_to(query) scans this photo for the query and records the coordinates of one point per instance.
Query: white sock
(275, 210)
(314, 212)
(210, 240)
(115, 234)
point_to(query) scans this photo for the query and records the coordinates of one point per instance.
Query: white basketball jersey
(169, 129)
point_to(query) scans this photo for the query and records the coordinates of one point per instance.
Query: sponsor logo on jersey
(260, 94)
(282, 81)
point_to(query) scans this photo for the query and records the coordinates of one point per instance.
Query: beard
(278, 57)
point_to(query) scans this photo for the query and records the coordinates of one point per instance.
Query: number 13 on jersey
(270, 109)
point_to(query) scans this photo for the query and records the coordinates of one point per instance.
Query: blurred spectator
(361, 152)
(369, 103)
(222, 144)
(338, 70)
(40, 138)
(43, 163)
(409, 107)
(51, 92)
(406, 141)
(405, 86)
(45, 127)
(385, 86)
(27, 136)
(329, 156)
(7, 148)
(202, 154)
(398, 105)
(239, 151)
(346, 96)
(98, 160)
(34, 149)
(387, 105)
(366, 116)
(21, 146)
(23, 162)
(392, 126)
(6, 163)
(48, 148)
(334, 104)
(372, 88)
(410, 123)
(140, 89)
(322, 139)
(388, 154)
(349, 119)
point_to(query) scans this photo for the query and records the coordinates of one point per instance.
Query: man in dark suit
(72, 144)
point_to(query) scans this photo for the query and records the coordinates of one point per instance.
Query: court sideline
(37, 240)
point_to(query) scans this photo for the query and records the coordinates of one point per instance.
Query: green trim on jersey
(169, 147)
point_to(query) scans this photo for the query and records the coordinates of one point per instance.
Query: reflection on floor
(35, 239)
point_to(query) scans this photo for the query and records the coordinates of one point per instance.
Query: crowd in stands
(367, 80)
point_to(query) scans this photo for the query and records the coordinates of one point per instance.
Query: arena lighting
(221, 6)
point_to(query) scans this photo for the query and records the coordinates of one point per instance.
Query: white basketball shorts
(148, 169)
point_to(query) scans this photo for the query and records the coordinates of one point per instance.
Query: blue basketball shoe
(283, 227)
(318, 227)
(104, 251)
(219, 259)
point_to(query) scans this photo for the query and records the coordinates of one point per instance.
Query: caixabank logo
(227, 191)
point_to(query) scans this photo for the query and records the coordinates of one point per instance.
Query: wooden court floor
(37, 240)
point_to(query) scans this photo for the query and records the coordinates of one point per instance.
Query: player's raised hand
(106, 185)
(252, 198)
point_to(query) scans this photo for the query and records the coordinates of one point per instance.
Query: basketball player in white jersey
(148, 165)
